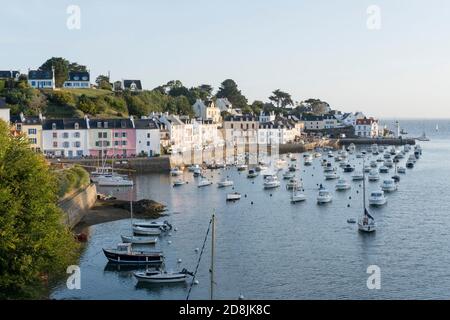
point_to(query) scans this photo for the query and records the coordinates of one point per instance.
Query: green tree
(102, 82)
(229, 89)
(34, 243)
(281, 99)
(86, 105)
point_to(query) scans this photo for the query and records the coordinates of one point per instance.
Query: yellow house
(31, 127)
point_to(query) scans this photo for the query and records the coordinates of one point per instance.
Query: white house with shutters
(147, 136)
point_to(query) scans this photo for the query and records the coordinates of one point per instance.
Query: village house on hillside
(39, 79)
(207, 110)
(9, 75)
(366, 127)
(147, 137)
(78, 80)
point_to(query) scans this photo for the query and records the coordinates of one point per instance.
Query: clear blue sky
(311, 48)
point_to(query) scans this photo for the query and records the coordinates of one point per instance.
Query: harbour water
(273, 249)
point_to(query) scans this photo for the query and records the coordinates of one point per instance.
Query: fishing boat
(388, 163)
(373, 164)
(233, 196)
(423, 137)
(308, 160)
(358, 176)
(193, 167)
(377, 198)
(293, 183)
(176, 172)
(197, 172)
(410, 164)
(401, 170)
(271, 182)
(384, 169)
(366, 168)
(331, 176)
(349, 168)
(329, 168)
(252, 174)
(179, 182)
(225, 183)
(366, 223)
(160, 276)
(204, 183)
(242, 167)
(288, 175)
(124, 254)
(389, 185)
(342, 185)
(324, 196)
(139, 240)
(373, 175)
(297, 195)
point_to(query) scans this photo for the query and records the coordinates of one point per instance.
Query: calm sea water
(273, 249)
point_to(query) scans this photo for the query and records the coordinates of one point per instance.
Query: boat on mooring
(162, 276)
(124, 254)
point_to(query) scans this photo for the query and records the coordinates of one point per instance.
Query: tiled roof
(40, 75)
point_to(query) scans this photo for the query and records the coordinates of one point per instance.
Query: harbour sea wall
(379, 141)
(77, 205)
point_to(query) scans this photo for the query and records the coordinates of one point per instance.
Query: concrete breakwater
(76, 206)
(380, 141)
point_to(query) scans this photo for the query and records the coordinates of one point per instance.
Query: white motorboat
(308, 160)
(225, 183)
(176, 172)
(162, 225)
(233, 196)
(324, 196)
(380, 160)
(358, 176)
(146, 231)
(377, 198)
(252, 173)
(374, 149)
(401, 170)
(373, 175)
(343, 164)
(329, 168)
(366, 168)
(384, 169)
(293, 183)
(331, 176)
(349, 168)
(288, 175)
(410, 164)
(193, 167)
(242, 167)
(388, 163)
(292, 168)
(387, 155)
(178, 182)
(261, 167)
(373, 164)
(204, 183)
(330, 154)
(271, 182)
(159, 276)
(114, 181)
(138, 240)
(389, 185)
(393, 151)
(342, 184)
(297, 196)
(197, 172)
(359, 155)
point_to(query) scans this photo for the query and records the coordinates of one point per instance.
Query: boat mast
(213, 219)
(364, 186)
(131, 207)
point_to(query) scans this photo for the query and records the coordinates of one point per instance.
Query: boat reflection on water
(124, 268)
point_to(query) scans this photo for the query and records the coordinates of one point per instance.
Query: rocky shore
(112, 210)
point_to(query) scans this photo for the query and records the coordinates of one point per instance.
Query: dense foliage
(72, 179)
(34, 243)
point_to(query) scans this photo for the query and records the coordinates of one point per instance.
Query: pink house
(113, 137)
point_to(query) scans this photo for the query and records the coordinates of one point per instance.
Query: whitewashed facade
(65, 138)
(148, 139)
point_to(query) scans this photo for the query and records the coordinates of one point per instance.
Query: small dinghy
(159, 276)
(233, 196)
(146, 231)
(351, 220)
(225, 183)
(179, 182)
(204, 183)
(138, 240)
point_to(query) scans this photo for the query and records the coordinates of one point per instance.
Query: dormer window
(77, 126)
(123, 125)
(84, 78)
(53, 126)
(105, 124)
(133, 86)
(99, 124)
(76, 78)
